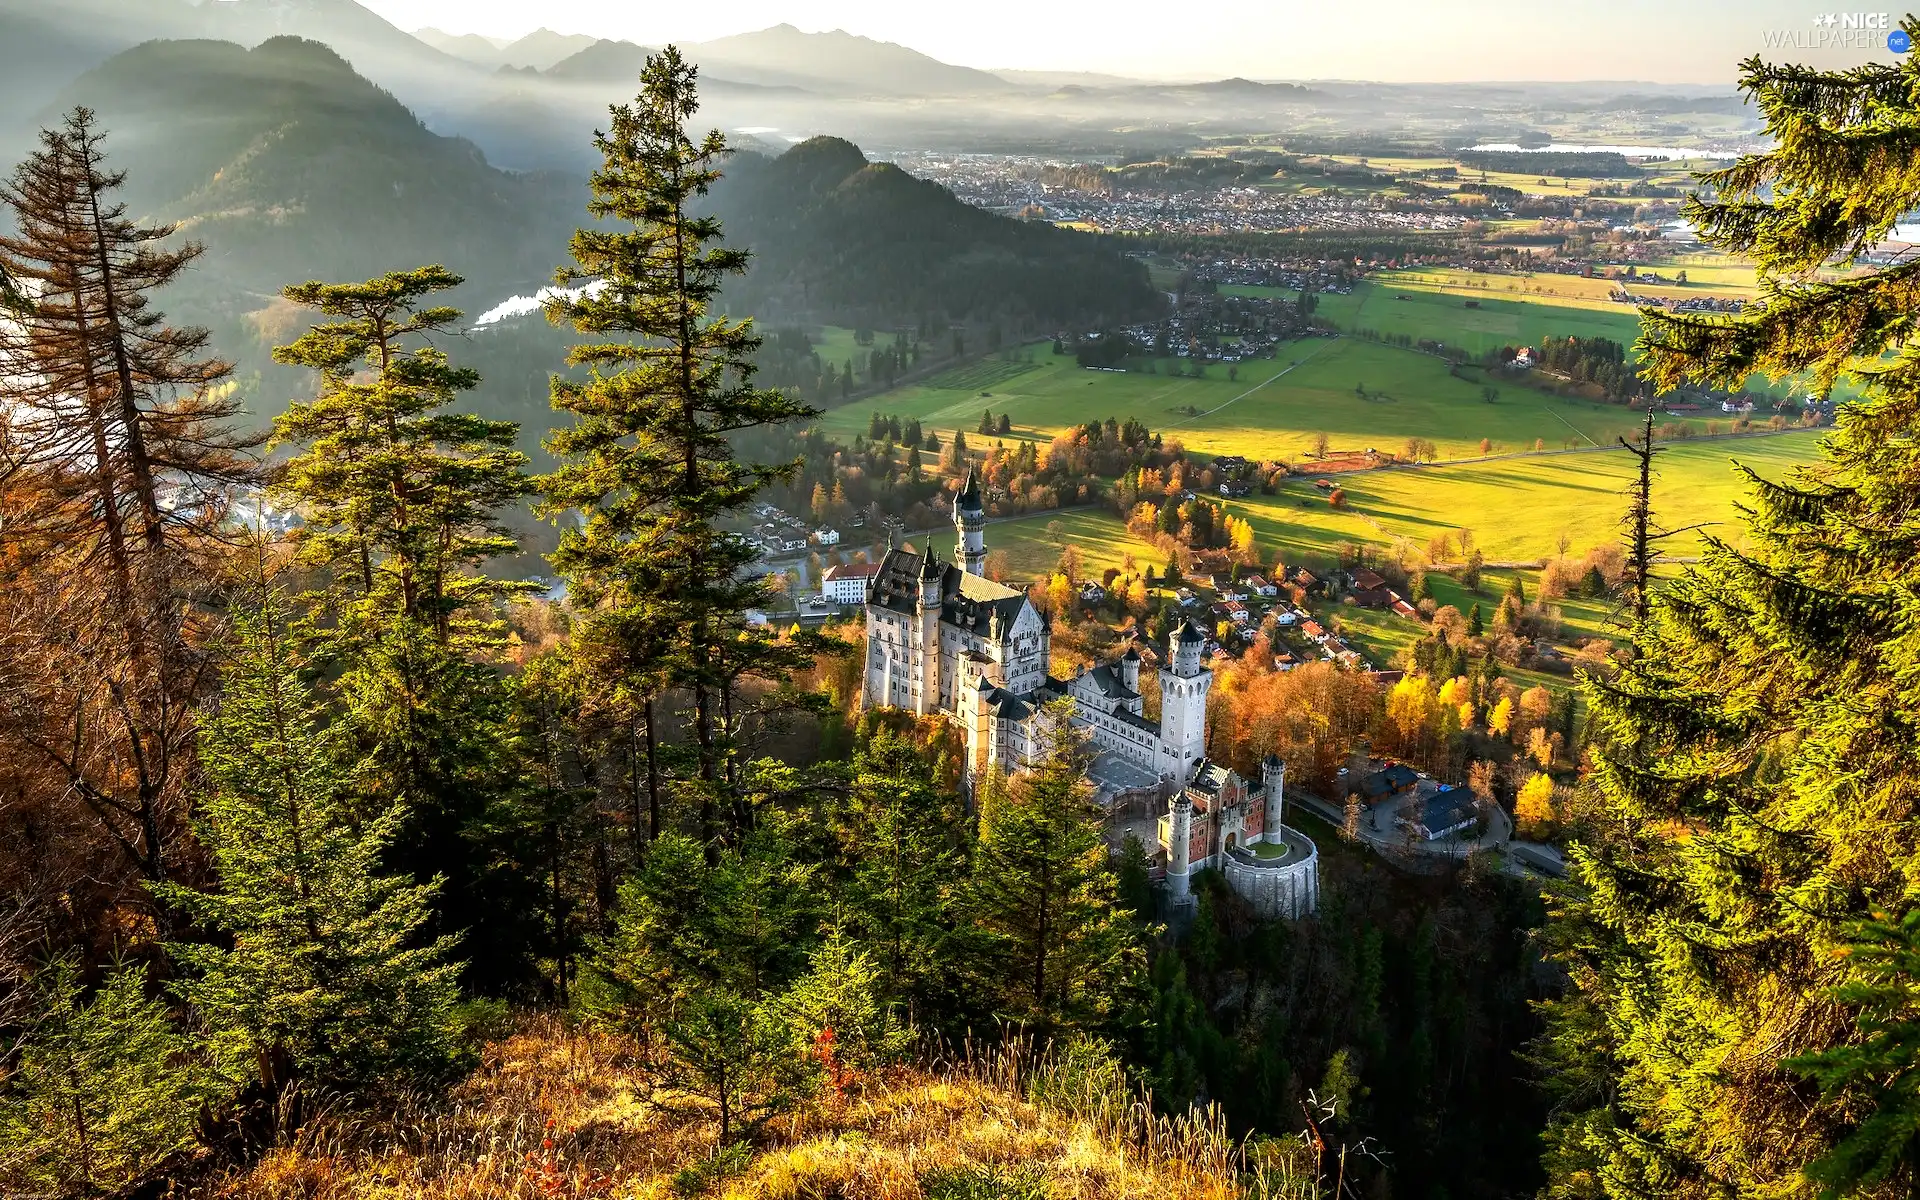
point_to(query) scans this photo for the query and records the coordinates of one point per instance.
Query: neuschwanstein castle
(943, 639)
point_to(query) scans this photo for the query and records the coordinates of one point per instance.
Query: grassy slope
(1266, 414)
(610, 1130)
(1518, 507)
(1103, 541)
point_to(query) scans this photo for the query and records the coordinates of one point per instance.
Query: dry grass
(554, 1112)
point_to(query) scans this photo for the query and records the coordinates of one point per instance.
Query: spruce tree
(1740, 908)
(648, 462)
(901, 839)
(320, 952)
(401, 498)
(102, 1090)
(1057, 949)
(400, 494)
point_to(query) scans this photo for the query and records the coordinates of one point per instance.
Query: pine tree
(1058, 948)
(739, 1055)
(123, 427)
(399, 494)
(320, 953)
(1748, 885)
(839, 1001)
(647, 461)
(104, 1089)
(684, 925)
(900, 838)
(401, 498)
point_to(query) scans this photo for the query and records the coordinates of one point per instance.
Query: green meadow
(1032, 548)
(1436, 311)
(1518, 508)
(1359, 393)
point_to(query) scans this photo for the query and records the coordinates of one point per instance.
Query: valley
(1027, 604)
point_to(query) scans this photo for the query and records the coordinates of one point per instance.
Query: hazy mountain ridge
(538, 50)
(785, 57)
(289, 165)
(834, 234)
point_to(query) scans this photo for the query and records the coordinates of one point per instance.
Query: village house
(847, 583)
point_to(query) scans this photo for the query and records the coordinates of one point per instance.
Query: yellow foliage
(1501, 718)
(1533, 807)
(1060, 595)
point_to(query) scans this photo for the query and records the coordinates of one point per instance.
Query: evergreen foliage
(1055, 948)
(321, 954)
(104, 1088)
(903, 840)
(401, 497)
(1737, 935)
(647, 461)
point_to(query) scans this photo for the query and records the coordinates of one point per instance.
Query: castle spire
(970, 524)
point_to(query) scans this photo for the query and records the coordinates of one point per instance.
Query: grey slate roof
(1106, 679)
(966, 601)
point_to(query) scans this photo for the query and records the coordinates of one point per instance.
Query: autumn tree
(122, 426)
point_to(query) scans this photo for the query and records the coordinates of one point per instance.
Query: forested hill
(837, 237)
(290, 166)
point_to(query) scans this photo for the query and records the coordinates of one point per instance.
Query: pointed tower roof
(1189, 632)
(930, 565)
(969, 498)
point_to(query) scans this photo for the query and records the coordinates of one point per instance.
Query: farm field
(1032, 551)
(1274, 410)
(1517, 508)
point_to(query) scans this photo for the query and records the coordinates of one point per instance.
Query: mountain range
(287, 164)
(533, 103)
(537, 50)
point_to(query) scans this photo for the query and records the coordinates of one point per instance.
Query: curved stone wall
(1277, 887)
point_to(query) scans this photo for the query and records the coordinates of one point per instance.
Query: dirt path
(1250, 391)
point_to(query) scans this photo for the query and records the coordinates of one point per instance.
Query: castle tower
(970, 524)
(1130, 669)
(1179, 839)
(1273, 778)
(927, 613)
(1183, 704)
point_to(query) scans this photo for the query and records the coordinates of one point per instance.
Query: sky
(1662, 41)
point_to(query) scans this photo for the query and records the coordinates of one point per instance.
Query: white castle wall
(1291, 891)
